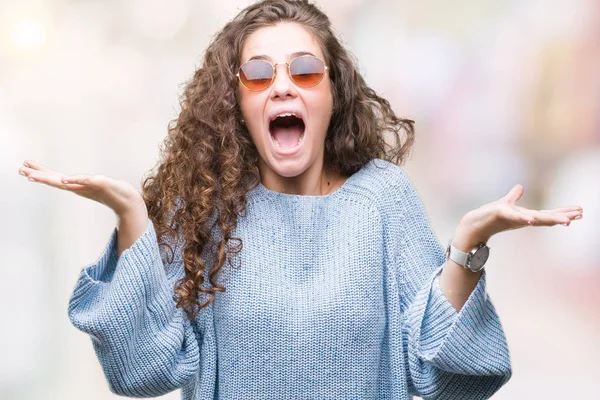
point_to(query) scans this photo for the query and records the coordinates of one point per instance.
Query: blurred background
(502, 92)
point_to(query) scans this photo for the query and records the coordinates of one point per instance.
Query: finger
(85, 180)
(25, 171)
(539, 218)
(36, 175)
(47, 177)
(571, 215)
(522, 217)
(514, 194)
(35, 165)
(570, 212)
(564, 209)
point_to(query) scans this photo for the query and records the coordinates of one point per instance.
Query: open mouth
(287, 130)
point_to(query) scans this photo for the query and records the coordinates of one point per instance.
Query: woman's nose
(282, 85)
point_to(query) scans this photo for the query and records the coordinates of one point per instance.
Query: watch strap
(458, 256)
(464, 259)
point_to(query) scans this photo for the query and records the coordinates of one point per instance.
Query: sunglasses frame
(274, 66)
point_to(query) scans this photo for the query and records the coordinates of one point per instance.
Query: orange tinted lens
(256, 74)
(307, 71)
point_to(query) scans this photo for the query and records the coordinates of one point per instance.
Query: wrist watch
(474, 260)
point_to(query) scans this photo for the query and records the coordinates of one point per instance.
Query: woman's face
(278, 44)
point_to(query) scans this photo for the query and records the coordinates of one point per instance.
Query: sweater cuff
(136, 268)
(438, 318)
(469, 342)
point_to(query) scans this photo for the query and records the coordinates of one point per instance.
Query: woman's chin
(288, 169)
(289, 166)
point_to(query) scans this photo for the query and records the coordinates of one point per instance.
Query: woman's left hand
(503, 215)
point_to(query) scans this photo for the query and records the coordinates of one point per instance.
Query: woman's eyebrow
(293, 55)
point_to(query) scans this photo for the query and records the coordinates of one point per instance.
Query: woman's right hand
(119, 195)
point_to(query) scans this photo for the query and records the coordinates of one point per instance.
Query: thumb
(514, 194)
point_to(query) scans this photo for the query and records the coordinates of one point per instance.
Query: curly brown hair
(209, 161)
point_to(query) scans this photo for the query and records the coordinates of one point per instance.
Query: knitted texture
(337, 297)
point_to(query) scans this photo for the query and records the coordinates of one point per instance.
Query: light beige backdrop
(502, 91)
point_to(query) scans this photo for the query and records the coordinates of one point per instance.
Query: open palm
(119, 195)
(503, 215)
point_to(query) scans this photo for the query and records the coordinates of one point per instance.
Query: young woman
(280, 251)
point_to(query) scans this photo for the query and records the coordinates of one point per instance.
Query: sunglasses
(305, 71)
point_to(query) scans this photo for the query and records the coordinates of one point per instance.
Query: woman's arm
(145, 344)
(446, 354)
(130, 226)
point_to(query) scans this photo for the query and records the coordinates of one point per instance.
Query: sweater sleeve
(448, 355)
(145, 344)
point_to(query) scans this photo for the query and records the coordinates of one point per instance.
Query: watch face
(479, 258)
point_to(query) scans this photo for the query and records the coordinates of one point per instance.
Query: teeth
(285, 115)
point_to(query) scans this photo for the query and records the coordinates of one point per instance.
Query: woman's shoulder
(381, 179)
(386, 186)
(381, 168)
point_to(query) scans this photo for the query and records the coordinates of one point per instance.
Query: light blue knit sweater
(337, 297)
